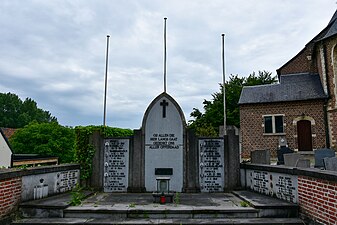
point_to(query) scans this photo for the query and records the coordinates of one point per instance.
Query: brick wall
(10, 195)
(314, 190)
(323, 62)
(18, 185)
(300, 63)
(318, 199)
(331, 58)
(251, 121)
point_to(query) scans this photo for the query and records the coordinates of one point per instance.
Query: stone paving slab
(185, 199)
(263, 201)
(251, 221)
(57, 201)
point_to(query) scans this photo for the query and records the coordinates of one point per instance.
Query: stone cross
(164, 103)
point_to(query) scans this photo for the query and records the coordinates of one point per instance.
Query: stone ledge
(247, 221)
(309, 172)
(13, 173)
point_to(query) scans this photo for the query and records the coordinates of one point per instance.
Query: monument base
(157, 197)
(191, 190)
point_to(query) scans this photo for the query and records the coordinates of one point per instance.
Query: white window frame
(273, 124)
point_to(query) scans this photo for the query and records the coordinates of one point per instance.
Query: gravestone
(303, 163)
(116, 165)
(211, 168)
(164, 141)
(291, 159)
(330, 163)
(280, 154)
(260, 157)
(320, 154)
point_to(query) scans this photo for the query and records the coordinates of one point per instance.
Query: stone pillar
(231, 160)
(136, 164)
(191, 181)
(96, 180)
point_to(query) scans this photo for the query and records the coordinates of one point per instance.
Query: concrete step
(78, 221)
(52, 206)
(268, 206)
(160, 212)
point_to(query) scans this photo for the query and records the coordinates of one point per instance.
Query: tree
(45, 139)
(207, 123)
(15, 113)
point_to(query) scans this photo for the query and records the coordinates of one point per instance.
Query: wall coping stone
(15, 172)
(308, 172)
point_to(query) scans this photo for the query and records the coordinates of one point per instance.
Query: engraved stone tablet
(116, 165)
(211, 169)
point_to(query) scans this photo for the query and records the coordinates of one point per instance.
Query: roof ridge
(334, 17)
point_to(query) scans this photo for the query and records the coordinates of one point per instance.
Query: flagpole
(106, 78)
(223, 84)
(165, 54)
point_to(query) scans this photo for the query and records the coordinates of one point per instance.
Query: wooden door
(304, 137)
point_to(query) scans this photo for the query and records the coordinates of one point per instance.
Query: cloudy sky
(54, 51)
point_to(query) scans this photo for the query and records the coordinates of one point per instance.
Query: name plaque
(116, 165)
(66, 180)
(211, 169)
(282, 186)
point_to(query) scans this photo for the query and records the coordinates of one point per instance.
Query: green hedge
(84, 151)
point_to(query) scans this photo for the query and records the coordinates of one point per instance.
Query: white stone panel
(164, 143)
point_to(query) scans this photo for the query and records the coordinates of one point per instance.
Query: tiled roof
(6, 139)
(331, 29)
(8, 132)
(292, 87)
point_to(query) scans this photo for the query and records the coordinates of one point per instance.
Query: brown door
(304, 136)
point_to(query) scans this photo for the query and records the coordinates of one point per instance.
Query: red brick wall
(318, 199)
(10, 195)
(251, 121)
(331, 53)
(300, 63)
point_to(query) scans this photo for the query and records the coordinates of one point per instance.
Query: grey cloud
(54, 51)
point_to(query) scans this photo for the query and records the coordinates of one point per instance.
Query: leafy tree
(207, 123)
(45, 139)
(15, 113)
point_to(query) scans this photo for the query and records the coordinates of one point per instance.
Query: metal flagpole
(223, 84)
(165, 54)
(106, 77)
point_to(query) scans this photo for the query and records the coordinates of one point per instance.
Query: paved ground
(222, 200)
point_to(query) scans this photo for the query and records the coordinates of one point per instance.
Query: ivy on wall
(84, 151)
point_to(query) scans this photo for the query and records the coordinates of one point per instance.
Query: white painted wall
(5, 153)
(170, 130)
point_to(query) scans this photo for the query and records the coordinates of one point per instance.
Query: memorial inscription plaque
(282, 186)
(66, 180)
(116, 165)
(211, 169)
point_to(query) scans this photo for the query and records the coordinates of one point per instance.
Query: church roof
(292, 87)
(330, 30)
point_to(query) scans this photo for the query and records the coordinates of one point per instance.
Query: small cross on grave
(164, 103)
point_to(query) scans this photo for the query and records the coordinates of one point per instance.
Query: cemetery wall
(314, 190)
(17, 185)
(10, 193)
(252, 130)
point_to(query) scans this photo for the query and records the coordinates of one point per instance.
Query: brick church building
(302, 107)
